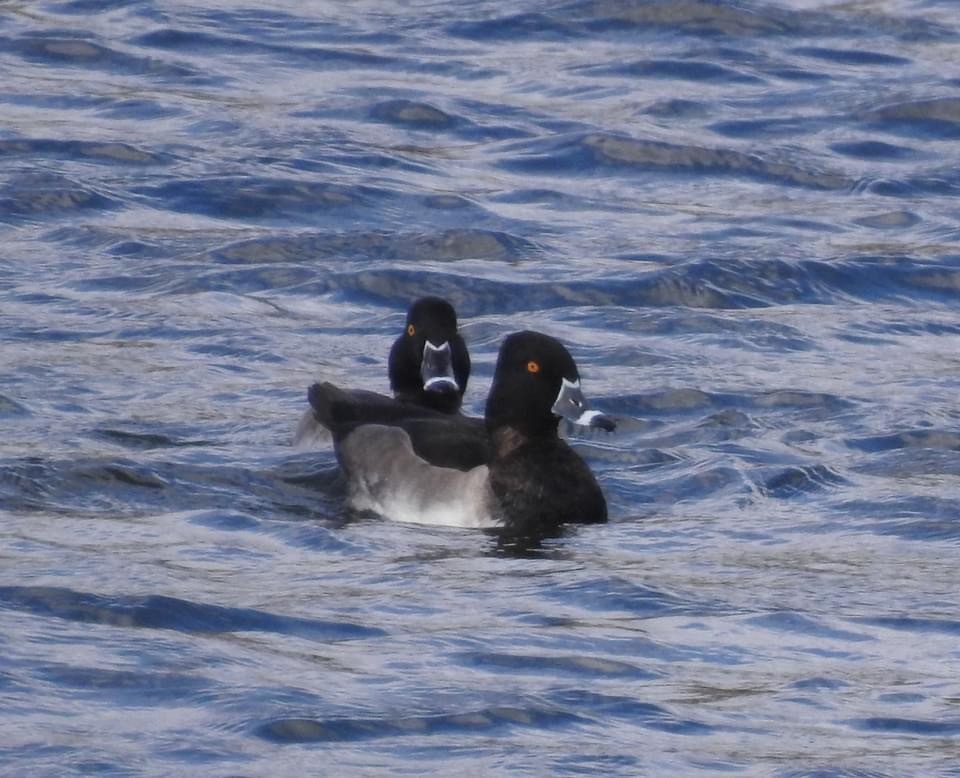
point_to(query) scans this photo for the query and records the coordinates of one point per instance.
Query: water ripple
(553, 665)
(160, 612)
(76, 52)
(479, 721)
(891, 726)
(935, 118)
(601, 153)
(741, 217)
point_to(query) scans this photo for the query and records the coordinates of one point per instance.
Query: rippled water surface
(743, 220)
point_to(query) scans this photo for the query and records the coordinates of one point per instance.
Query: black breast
(542, 485)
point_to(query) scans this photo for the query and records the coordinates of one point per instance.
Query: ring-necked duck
(428, 366)
(510, 471)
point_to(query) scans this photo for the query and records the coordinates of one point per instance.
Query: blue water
(743, 220)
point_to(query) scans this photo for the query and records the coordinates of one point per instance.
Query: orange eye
(533, 367)
(411, 330)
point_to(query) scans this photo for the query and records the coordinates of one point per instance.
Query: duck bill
(571, 406)
(436, 369)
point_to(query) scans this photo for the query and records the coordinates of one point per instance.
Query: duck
(429, 364)
(509, 471)
(428, 367)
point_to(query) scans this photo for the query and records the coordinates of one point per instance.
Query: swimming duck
(428, 366)
(509, 471)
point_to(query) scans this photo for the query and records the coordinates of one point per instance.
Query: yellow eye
(533, 367)
(411, 330)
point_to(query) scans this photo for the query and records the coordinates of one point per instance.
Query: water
(741, 218)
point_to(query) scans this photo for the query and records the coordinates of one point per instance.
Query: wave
(162, 612)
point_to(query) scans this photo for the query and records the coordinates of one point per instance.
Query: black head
(536, 382)
(429, 362)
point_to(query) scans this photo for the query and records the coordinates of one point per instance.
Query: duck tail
(329, 404)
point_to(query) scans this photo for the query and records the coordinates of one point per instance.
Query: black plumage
(429, 364)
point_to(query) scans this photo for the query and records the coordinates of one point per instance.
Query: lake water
(742, 218)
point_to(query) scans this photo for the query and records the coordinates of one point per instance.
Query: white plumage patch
(387, 477)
